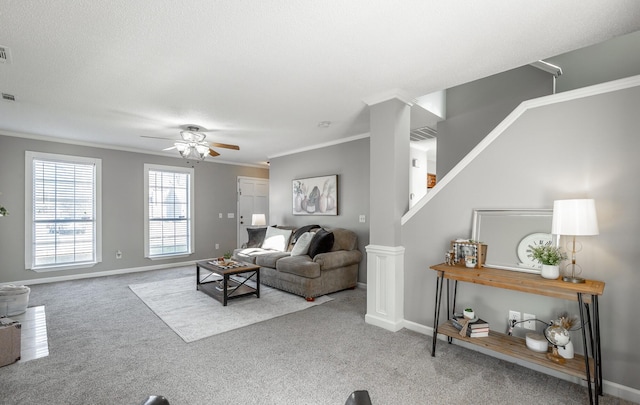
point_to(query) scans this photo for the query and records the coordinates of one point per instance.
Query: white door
(253, 198)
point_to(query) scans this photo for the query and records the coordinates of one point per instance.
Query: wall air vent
(8, 97)
(421, 134)
(5, 54)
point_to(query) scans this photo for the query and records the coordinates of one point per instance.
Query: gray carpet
(194, 315)
(107, 347)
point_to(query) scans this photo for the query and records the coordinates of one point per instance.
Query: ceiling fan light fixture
(202, 148)
(193, 146)
(191, 134)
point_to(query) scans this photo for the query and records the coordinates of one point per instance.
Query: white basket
(14, 299)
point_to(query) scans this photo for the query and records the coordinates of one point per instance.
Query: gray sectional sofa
(328, 264)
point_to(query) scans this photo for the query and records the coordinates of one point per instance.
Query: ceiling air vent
(5, 55)
(8, 97)
(421, 134)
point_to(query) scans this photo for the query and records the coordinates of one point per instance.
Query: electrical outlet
(515, 316)
(529, 321)
(363, 219)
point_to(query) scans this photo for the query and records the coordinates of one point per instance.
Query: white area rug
(194, 315)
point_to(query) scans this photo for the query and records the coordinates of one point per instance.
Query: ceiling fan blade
(169, 148)
(213, 152)
(225, 145)
(156, 137)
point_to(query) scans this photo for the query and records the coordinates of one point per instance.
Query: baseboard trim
(383, 323)
(608, 387)
(101, 273)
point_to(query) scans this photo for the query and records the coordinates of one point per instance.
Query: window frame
(30, 156)
(191, 210)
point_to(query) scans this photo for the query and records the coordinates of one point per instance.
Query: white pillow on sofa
(302, 245)
(276, 239)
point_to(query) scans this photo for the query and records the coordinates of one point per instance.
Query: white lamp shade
(258, 219)
(574, 217)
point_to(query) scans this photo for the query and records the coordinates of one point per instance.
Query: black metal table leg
(225, 290)
(453, 310)
(257, 273)
(586, 349)
(598, 350)
(436, 314)
(594, 339)
(455, 295)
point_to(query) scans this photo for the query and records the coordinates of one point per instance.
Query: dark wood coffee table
(225, 288)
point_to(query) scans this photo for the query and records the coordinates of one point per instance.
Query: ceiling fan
(193, 146)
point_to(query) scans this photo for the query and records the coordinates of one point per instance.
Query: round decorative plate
(524, 250)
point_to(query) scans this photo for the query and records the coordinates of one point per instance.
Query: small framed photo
(468, 253)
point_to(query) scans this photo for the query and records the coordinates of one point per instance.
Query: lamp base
(555, 357)
(571, 279)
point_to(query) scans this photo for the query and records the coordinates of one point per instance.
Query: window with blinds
(168, 211)
(63, 227)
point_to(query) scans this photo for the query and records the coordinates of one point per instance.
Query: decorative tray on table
(225, 264)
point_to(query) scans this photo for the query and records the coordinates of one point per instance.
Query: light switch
(363, 218)
(220, 215)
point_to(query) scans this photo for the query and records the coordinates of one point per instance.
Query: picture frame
(504, 229)
(431, 180)
(462, 249)
(315, 195)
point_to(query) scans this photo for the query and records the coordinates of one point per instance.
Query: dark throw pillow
(302, 230)
(256, 237)
(322, 242)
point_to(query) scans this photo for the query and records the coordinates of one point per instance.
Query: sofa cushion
(302, 245)
(322, 242)
(269, 258)
(256, 236)
(249, 255)
(276, 239)
(301, 266)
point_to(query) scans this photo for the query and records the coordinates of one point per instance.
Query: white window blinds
(64, 217)
(169, 192)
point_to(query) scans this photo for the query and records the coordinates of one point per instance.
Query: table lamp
(258, 220)
(574, 218)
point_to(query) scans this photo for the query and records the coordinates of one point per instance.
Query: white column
(389, 200)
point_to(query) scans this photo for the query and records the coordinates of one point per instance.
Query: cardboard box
(9, 341)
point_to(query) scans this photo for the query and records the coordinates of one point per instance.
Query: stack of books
(477, 328)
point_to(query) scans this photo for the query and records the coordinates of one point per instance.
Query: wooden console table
(587, 367)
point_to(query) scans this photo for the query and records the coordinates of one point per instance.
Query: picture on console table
(316, 196)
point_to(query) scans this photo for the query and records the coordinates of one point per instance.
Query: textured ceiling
(263, 74)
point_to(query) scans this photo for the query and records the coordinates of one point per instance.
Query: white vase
(550, 272)
(566, 351)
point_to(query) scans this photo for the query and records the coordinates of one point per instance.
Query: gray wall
(610, 60)
(584, 148)
(350, 161)
(474, 109)
(122, 206)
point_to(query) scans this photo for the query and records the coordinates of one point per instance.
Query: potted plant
(468, 313)
(227, 256)
(549, 257)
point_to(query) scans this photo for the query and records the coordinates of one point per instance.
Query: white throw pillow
(302, 245)
(276, 239)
